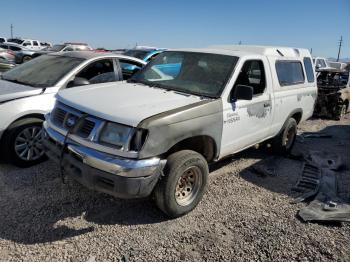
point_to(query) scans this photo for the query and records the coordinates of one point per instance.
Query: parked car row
(155, 132)
(28, 43)
(26, 55)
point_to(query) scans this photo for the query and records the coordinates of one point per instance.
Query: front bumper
(119, 177)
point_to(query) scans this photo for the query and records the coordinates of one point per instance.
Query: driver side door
(247, 122)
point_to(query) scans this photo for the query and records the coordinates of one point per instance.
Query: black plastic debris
(319, 180)
(316, 135)
(309, 182)
(301, 138)
(326, 160)
(326, 206)
(266, 167)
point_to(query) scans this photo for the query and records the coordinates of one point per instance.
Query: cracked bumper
(120, 177)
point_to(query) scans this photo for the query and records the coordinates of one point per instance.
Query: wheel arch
(297, 114)
(202, 144)
(13, 123)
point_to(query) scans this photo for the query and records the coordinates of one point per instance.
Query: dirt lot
(243, 216)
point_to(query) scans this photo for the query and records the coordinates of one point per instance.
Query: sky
(180, 24)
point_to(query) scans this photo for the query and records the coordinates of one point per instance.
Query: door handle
(267, 104)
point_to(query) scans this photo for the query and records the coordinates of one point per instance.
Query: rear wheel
(283, 143)
(341, 113)
(23, 142)
(26, 59)
(183, 184)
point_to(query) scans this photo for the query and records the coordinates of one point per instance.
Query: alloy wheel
(28, 144)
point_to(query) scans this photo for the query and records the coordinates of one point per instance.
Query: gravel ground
(243, 216)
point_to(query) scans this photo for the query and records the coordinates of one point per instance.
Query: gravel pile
(243, 215)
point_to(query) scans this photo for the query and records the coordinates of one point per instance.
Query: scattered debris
(308, 183)
(301, 138)
(316, 135)
(264, 170)
(318, 179)
(266, 167)
(326, 206)
(326, 160)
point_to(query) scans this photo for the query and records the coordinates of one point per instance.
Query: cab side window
(253, 74)
(68, 49)
(101, 71)
(152, 57)
(14, 48)
(129, 68)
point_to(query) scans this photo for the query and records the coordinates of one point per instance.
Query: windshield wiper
(188, 92)
(147, 83)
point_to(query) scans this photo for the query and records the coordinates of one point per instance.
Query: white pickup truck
(156, 133)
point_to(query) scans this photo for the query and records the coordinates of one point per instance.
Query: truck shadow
(37, 208)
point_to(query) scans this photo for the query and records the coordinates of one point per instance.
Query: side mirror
(78, 81)
(242, 92)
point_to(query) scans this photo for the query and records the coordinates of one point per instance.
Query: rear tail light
(10, 52)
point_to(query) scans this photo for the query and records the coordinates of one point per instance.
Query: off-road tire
(177, 165)
(9, 138)
(341, 113)
(283, 143)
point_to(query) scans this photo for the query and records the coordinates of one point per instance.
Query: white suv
(157, 132)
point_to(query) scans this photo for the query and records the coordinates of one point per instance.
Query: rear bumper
(119, 177)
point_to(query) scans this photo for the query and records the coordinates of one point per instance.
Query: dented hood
(125, 103)
(11, 91)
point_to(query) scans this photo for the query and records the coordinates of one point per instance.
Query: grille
(58, 116)
(86, 128)
(67, 118)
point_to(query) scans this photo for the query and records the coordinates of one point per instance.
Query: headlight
(115, 135)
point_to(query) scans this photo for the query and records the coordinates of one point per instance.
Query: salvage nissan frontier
(155, 134)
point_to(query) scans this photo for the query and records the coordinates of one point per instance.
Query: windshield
(194, 73)
(14, 40)
(43, 71)
(55, 48)
(140, 54)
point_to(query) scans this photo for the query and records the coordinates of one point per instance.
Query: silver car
(28, 91)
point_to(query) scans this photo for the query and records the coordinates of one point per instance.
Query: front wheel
(182, 187)
(23, 142)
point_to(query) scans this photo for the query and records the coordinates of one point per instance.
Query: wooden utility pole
(340, 44)
(11, 31)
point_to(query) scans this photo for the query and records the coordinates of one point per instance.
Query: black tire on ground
(26, 58)
(283, 143)
(15, 135)
(182, 187)
(341, 113)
